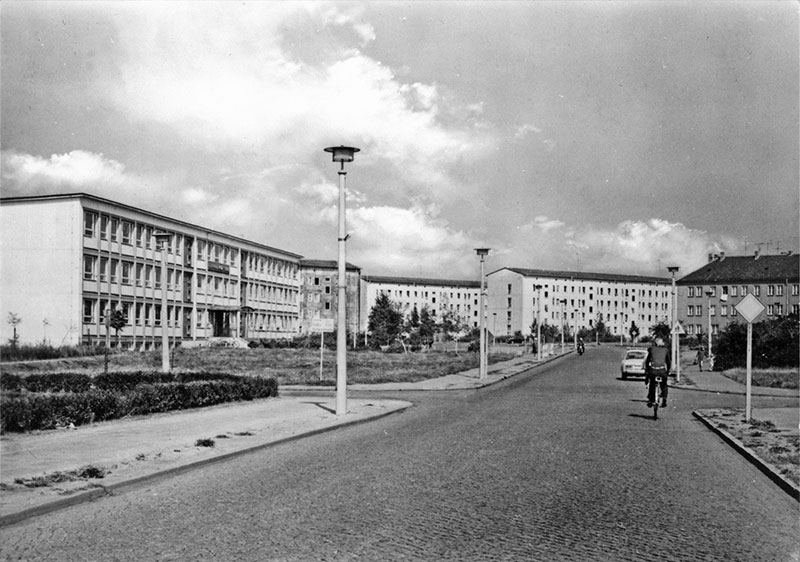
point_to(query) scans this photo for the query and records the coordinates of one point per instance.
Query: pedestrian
(701, 355)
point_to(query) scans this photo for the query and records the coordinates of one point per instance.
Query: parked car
(633, 363)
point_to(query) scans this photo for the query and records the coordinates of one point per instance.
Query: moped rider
(658, 362)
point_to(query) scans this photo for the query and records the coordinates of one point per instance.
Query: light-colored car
(633, 363)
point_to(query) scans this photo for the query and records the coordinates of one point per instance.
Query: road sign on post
(749, 308)
(322, 325)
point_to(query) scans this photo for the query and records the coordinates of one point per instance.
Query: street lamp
(342, 154)
(482, 252)
(494, 330)
(538, 289)
(709, 294)
(563, 302)
(163, 238)
(675, 337)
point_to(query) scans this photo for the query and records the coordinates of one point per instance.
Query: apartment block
(319, 295)
(69, 259)
(439, 296)
(517, 297)
(707, 297)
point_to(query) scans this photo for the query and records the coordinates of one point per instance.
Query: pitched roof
(746, 269)
(421, 281)
(584, 276)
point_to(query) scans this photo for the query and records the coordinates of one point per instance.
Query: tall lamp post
(709, 294)
(482, 253)
(675, 337)
(163, 238)
(538, 289)
(342, 154)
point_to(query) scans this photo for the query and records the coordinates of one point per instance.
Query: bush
(46, 410)
(775, 344)
(41, 351)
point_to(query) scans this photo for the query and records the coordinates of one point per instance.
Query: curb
(128, 485)
(786, 485)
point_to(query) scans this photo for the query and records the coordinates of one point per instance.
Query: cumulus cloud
(524, 130)
(78, 170)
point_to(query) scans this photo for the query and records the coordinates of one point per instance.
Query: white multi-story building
(319, 293)
(67, 259)
(437, 295)
(517, 297)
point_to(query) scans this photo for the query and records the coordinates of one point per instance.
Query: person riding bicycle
(658, 362)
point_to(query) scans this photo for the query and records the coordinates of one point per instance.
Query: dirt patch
(777, 447)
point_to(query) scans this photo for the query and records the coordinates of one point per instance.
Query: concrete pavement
(135, 451)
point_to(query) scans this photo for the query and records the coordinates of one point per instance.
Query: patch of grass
(204, 443)
(223, 436)
(243, 434)
(84, 473)
(771, 378)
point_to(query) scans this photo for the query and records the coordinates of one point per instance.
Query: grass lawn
(288, 366)
(772, 378)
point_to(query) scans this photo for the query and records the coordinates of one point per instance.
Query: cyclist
(658, 362)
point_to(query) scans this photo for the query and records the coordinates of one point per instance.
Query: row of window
(737, 290)
(582, 289)
(776, 309)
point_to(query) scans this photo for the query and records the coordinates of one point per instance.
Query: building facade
(319, 293)
(68, 259)
(516, 297)
(707, 297)
(439, 296)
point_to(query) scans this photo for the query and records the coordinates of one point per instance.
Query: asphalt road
(563, 463)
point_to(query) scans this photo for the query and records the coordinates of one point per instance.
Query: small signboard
(678, 329)
(749, 307)
(322, 325)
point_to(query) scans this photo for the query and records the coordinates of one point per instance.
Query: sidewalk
(135, 451)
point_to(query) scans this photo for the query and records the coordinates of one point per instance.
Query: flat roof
(586, 276)
(81, 195)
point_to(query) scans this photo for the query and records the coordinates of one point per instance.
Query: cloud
(545, 224)
(233, 82)
(524, 130)
(74, 171)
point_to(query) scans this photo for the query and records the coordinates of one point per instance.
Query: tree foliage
(385, 321)
(775, 344)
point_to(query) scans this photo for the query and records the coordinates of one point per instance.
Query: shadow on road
(643, 416)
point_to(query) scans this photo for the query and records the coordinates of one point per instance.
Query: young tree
(427, 326)
(633, 331)
(117, 321)
(14, 320)
(449, 324)
(385, 321)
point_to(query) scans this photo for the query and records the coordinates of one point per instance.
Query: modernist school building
(67, 259)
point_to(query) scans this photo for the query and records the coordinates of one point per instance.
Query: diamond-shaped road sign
(750, 307)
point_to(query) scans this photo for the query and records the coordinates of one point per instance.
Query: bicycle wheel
(655, 410)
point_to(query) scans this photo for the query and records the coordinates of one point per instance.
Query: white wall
(40, 270)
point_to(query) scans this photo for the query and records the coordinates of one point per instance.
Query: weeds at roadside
(204, 443)
(59, 477)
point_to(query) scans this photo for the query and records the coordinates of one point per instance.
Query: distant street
(563, 463)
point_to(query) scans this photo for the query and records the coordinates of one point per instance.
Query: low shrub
(42, 351)
(26, 411)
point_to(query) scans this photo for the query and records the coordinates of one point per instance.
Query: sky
(614, 137)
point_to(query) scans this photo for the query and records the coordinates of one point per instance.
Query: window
(770, 310)
(127, 228)
(139, 274)
(148, 237)
(114, 270)
(126, 272)
(89, 224)
(157, 311)
(691, 292)
(201, 250)
(327, 289)
(757, 290)
(103, 269)
(698, 291)
(770, 290)
(89, 263)
(88, 311)
(723, 310)
(779, 290)
(104, 227)
(509, 288)
(316, 280)
(139, 235)
(712, 310)
(725, 290)
(796, 309)
(795, 290)
(733, 291)
(158, 278)
(690, 310)
(114, 226)
(744, 290)
(327, 306)
(148, 276)
(138, 314)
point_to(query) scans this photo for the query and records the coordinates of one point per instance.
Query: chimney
(710, 257)
(758, 254)
(721, 256)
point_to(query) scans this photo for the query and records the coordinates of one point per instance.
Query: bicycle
(657, 380)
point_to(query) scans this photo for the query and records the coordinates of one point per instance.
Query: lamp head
(342, 153)
(482, 251)
(673, 269)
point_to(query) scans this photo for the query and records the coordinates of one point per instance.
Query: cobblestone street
(561, 464)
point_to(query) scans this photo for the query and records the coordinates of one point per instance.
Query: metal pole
(539, 324)
(341, 333)
(748, 387)
(481, 305)
(321, 346)
(709, 327)
(164, 334)
(562, 327)
(108, 339)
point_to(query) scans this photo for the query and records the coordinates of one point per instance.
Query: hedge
(26, 411)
